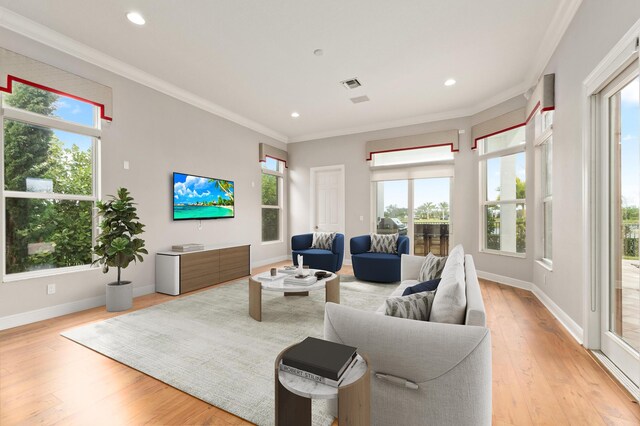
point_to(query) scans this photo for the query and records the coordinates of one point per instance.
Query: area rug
(207, 345)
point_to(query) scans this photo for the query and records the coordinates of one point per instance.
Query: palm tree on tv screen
(224, 186)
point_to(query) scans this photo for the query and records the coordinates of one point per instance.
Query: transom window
(49, 190)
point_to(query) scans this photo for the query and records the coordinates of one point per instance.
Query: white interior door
(620, 222)
(327, 199)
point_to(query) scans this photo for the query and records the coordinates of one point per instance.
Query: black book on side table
(320, 357)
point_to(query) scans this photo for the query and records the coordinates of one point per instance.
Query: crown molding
(552, 37)
(45, 35)
(422, 119)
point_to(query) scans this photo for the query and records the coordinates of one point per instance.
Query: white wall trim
(559, 24)
(501, 279)
(63, 309)
(567, 322)
(572, 327)
(271, 260)
(45, 35)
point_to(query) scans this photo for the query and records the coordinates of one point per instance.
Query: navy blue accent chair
(327, 260)
(376, 267)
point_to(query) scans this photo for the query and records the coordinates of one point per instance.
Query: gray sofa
(423, 373)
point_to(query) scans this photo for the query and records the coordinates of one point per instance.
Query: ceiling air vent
(351, 83)
(360, 99)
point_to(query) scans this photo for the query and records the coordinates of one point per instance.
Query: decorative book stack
(188, 247)
(300, 279)
(319, 360)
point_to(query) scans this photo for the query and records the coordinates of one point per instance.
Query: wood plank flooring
(540, 375)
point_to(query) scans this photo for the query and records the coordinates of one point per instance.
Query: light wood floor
(540, 375)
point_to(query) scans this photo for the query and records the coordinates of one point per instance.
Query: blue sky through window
(630, 141)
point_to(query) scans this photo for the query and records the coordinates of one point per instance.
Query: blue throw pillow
(425, 286)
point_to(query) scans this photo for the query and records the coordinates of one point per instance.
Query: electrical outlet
(361, 218)
(51, 289)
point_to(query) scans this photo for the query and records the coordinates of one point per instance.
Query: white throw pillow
(414, 306)
(431, 267)
(323, 240)
(450, 301)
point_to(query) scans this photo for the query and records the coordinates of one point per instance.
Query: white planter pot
(119, 297)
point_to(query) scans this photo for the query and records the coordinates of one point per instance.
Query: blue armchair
(376, 267)
(327, 260)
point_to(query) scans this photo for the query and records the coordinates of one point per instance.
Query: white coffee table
(331, 285)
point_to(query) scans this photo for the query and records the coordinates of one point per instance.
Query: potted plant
(118, 245)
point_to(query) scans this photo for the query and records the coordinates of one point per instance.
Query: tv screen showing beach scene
(199, 197)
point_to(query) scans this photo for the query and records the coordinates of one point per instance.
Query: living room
(253, 92)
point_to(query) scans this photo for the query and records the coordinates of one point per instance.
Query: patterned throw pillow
(432, 267)
(415, 306)
(384, 243)
(323, 240)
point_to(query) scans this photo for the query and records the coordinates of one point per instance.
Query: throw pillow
(419, 288)
(384, 243)
(432, 267)
(415, 306)
(323, 240)
(450, 301)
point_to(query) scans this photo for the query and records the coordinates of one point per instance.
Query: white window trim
(95, 133)
(280, 174)
(540, 144)
(482, 161)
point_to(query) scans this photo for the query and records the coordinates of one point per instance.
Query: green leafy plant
(117, 244)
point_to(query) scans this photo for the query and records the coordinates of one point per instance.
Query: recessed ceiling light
(136, 18)
(295, 115)
(450, 82)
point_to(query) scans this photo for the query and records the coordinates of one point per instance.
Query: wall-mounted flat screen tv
(199, 197)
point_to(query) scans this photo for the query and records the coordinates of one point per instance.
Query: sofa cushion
(384, 243)
(432, 267)
(323, 240)
(450, 301)
(415, 306)
(430, 285)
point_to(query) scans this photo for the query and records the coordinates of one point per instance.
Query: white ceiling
(253, 61)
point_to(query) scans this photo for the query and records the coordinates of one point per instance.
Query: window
(546, 198)
(409, 156)
(49, 147)
(503, 165)
(272, 178)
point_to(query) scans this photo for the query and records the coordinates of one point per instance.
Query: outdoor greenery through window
(272, 176)
(503, 164)
(49, 189)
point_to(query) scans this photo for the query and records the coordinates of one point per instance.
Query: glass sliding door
(428, 200)
(392, 207)
(620, 106)
(431, 216)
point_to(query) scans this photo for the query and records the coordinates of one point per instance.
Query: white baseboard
(270, 261)
(63, 309)
(347, 262)
(572, 327)
(501, 279)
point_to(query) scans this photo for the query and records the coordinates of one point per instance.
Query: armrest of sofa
(417, 351)
(410, 267)
(360, 244)
(301, 242)
(403, 245)
(338, 249)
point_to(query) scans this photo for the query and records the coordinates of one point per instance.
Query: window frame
(543, 144)
(280, 176)
(484, 203)
(95, 133)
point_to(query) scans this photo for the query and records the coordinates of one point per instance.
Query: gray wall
(157, 134)
(596, 28)
(350, 150)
